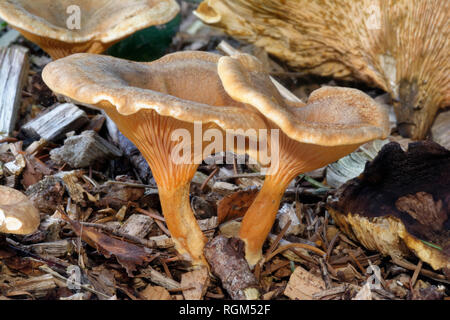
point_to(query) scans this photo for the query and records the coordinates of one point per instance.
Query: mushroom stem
(184, 229)
(260, 217)
(294, 158)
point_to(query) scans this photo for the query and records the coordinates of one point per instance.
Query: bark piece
(54, 124)
(137, 225)
(226, 257)
(197, 282)
(37, 286)
(84, 150)
(47, 194)
(303, 285)
(13, 70)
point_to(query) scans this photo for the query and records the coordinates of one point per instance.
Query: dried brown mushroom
(401, 46)
(399, 205)
(64, 27)
(150, 102)
(333, 123)
(17, 213)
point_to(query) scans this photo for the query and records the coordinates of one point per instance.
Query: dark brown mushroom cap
(17, 213)
(399, 200)
(333, 115)
(182, 85)
(102, 20)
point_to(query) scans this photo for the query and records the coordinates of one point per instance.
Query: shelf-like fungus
(401, 46)
(17, 213)
(159, 107)
(333, 123)
(65, 27)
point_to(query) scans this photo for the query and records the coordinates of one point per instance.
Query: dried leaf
(235, 205)
(303, 284)
(127, 254)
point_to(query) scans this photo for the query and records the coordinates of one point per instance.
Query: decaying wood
(83, 150)
(227, 261)
(303, 285)
(13, 70)
(54, 124)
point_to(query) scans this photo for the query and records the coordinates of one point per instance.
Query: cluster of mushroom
(65, 27)
(150, 102)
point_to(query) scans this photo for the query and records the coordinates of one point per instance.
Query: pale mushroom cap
(17, 213)
(102, 20)
(182, 85)
(333, 115)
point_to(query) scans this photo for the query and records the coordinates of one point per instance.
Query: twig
(296, 245)
(331, 292)
(324, 270)
(427, 273)
(151, 214)
(331, 245)
(416, 273)
(213, 173)
(242, 175)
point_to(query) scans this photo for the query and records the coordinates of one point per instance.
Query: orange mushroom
(333, 123)
(17, 213)
(64, 27)
(150, 102)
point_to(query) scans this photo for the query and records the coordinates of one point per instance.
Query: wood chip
(198, 281)
(155, 293)
(13, 70)
(137, 225)
(54, 124)
(303, 285)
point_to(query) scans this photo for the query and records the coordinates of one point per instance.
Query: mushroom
(401, 46)
(333, 123)
(64, 27)
(17, 213)
(152, 102)
(400, 204)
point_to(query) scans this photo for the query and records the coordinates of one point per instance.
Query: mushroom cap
(102, 20)
(333, 115)
(182, 85)
(17, 213)
(400, 200)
